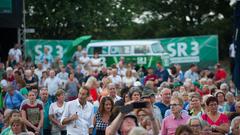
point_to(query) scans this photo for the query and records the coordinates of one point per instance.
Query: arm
(224, 128)
(91, 122)
(40, 124)
(65, 118)
(24, 117)
(94, 121)
(149, 112)
(154, 125)
(115, 125)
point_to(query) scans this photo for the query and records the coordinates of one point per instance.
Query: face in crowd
(83, 95)
(112, 90)
(166, 95)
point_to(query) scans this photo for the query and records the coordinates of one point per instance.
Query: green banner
(5, 6)
(200, 50)
(57, 48)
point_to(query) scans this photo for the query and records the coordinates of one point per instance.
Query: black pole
(236, 75)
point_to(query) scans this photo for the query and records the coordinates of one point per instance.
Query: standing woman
(42, 79)
(101, 120)
(32, 114)
(129, 79)
(55, 113)
(72, 87)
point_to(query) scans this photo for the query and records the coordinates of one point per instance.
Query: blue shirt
(191, 75)
(14, 101)
(162, 74)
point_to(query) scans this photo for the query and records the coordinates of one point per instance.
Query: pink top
(170, 124)
(221, 120)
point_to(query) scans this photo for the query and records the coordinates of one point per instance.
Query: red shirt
(220, 74)
(33, 113)
(93, 93)
(152, 77)
(221, 119)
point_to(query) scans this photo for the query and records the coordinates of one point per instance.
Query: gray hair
(233, 122)
(201, 122)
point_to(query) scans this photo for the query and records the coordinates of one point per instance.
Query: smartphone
(140, 104)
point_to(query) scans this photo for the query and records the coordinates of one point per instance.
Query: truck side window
(141, 49)
(120, 50)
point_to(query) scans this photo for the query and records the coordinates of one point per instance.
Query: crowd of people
(84, 97)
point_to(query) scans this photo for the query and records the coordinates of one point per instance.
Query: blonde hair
(59, 92)
(138, 131)
(90, 81)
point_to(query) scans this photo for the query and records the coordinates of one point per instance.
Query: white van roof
(122, 42)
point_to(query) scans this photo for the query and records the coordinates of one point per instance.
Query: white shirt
(16, 53)
(96, 61)
(52, 84)
(232, 51)
(122, 71)
(84, 60)
(115, 79)
(4, 83)
(116, 98)
(63, 76)
(38, 72)
(85, 117)
(57, 112)
(128, 81)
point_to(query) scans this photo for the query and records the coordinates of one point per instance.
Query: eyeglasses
(195, 126)
(142, 115)
(213, 105)
(174, 105)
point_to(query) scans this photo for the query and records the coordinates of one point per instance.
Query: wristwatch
(213, 128)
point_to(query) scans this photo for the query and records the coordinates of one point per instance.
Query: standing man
(161, 73)
(14, 55)
(77, 55)
(78, 115)
(52, 83)
(232, 54)
(46, 105)
(192, 73)
(46, 56)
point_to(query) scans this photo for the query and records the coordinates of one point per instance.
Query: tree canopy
(130, 19)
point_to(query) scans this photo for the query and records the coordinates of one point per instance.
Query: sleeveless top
(100, 125)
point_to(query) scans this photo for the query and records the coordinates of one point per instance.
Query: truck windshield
(157, 48)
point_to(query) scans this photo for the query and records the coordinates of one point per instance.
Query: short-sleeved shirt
(33, 113)
(221, 120)
(15, 53)
(57, 112)
(24, 91)
(14, 101)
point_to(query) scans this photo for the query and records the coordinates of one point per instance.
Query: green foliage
(116, 19)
